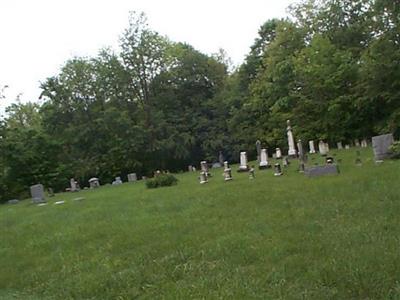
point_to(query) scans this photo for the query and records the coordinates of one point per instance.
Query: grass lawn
(289, 237)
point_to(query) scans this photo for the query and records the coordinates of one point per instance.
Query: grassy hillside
(291, 237)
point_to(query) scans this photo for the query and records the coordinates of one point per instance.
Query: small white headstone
(312, 147)
(263, 159)
(243, 162)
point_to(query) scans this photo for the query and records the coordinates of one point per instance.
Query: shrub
(395, 150)
(161, 180)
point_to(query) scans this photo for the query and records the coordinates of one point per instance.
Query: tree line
(332, 68)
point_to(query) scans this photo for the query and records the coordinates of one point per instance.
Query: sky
(37, 37)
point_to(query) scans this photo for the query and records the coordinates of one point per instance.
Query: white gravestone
(94, 182)
(243, 162)
(322, 148)
(364, 143)
(264, 159)
(340, 145)
(227, 171)
(72, 183)
(312, 147)
(278, 154)
(203, 178)
(292, 149)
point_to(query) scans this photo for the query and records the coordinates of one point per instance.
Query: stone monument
(243, 162)
(132, 177)
(312, 147)
(381, 144)
(278, 154)
(227, 172)
(264, 160)
(292, 149)
(37, 193)
(322, 148)
(258, 147)
(94, 183)
(278, 170)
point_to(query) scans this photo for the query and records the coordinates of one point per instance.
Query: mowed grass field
(289, 237)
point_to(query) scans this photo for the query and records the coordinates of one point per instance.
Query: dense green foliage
(161, 180)
(333, 69)
(289, 237)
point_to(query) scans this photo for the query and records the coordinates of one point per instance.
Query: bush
(395, 150)
(161, 180)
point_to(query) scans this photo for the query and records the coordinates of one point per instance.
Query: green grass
(291, 237)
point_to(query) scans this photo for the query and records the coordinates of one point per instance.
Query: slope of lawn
(289, 237)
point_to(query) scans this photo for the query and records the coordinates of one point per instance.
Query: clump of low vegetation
(161, 180)
(395, 150)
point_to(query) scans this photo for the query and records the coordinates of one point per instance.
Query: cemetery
(241, 230)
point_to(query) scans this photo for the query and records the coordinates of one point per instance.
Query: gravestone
(312, 147)
(356, 143)
(221, 158)
(358, 158)
(203, 177)
(72, 184)
(340, 145)
(132, 177)
(300, 150)
(117, 181)
(94, 182)
(243, 162)
(364, 143)
(347, 147)
(50, 192)
(227, 172)
(190, 169)
(278, 170)
(13, 201)
(285, 162)
(37, 193)
(381, 144)
(329, 160)
(292, 149)
(301, 167)
(327, 147)
(258, 147)
(264, 160)
(322, 148)
(251, 173)
(216, 165)
(278, 153)
(316, 171)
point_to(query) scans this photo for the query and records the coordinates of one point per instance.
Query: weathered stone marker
(37, 193)
(322, 170)
(381, 144)
(132, 177)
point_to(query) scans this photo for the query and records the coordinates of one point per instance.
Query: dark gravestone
(381, 144)
(321, 170)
